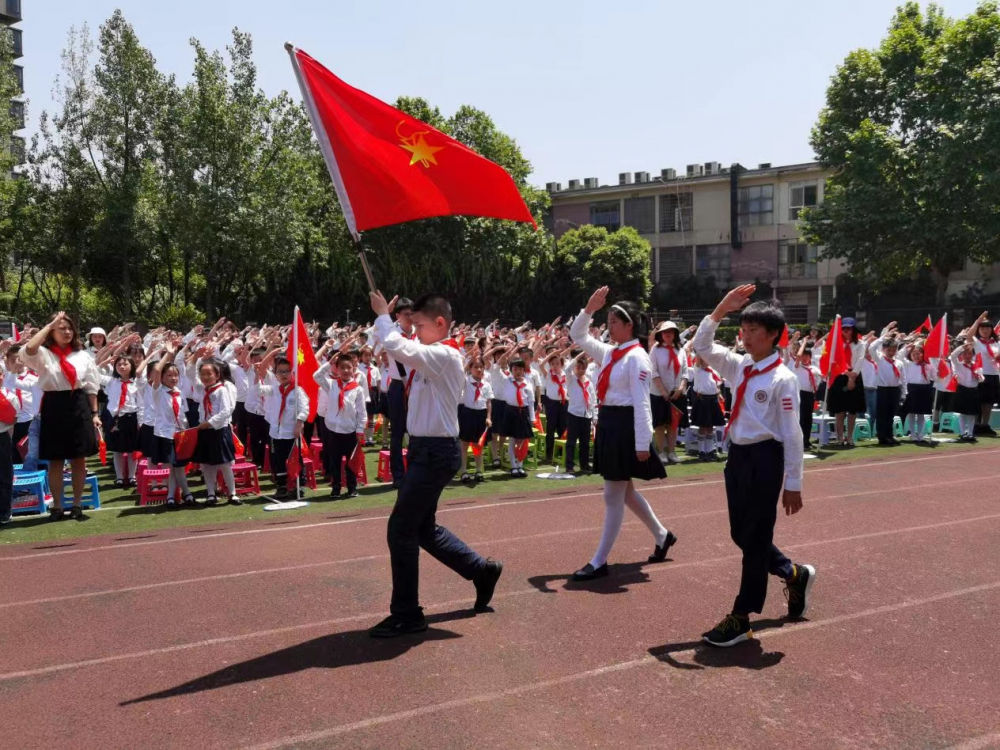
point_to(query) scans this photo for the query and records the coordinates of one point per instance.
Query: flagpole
(295, 389)
(364, 264)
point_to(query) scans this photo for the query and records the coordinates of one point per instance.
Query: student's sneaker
(731, 630)
(335, 493)
(351, 493)
(672, 458)
(797, 590)
(211, 500)
(496, 463)
(5, 520)
(76, 513)
(466, 477)
(478, 477)
(281, 493)
(235, 500)
(522, 474)
(189, 499)
(514, 473)
(394, 625)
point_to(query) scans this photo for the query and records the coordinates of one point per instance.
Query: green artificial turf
(119, 515)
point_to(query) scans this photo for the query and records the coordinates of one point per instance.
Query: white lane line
(460, 509)
(979, 743)
(647, 660)
(474, 543)
(437, 607)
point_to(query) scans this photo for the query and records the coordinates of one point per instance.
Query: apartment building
(10, 15)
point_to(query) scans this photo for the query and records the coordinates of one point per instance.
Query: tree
(912, 132)
(589, 257)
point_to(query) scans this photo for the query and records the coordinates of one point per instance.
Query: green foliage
(589, 257)
(912, 130)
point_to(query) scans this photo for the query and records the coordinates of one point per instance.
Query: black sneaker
(394, 625)
(797, 592)
(76, 513)
(477, 478)
(731, 630)
(485, 584)
(351, 493)
(211, 500)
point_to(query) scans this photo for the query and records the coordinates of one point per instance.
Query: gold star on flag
(420, 149)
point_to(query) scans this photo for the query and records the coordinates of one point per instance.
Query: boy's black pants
(257, 431)
(579, 429)
(806, 404)
(338, 446)
(754, 475)
(555, 423)
(886, 403)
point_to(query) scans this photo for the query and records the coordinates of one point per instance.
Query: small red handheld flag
(537, 424)
(521, 448)
(477, 447)
(238, 444)
(783, 341)
(304, 362)
(293, 466)
(389, 167)
(184, 443)
(835, 346)
(925, 326)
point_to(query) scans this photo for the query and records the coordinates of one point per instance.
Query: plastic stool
(949, 422)
(308, 473)
(384, 472)
(29, 492)
(862, 430)
(91, 496)
(153, 489)
(559, 452)
(897, 427)
(245, 477)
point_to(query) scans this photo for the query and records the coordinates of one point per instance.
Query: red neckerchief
(452, 343)
(748, 372)
(175, 404)
(973, 370)
(123, 395)
(479, 390)
(368, 376)
(868, 358)
(561, 382)
(344, 388)
(604, 379)
(208, 401)
(63, 352)
(989, 349)
(284, 390)
(520, 387)
(584, 386)
(895, 370)
(675, 361)
(812, 378)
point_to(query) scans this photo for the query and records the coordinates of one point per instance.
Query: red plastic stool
(153, 490)
(140, 474)
(245, 476)
(384, 473)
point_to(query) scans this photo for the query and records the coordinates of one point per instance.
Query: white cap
(99, 330)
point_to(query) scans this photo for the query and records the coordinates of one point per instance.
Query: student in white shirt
(809, 378)
(475, 415)
(370, 382)
(345, 419)
(169, 418)
(707, 412)
(433, 459)
(668, 393)
(23, 383)
(518, 413)
(918, 375)
(286, 409)
(968, 378)
(889, 382)
(623, 450)
(122, 435)
(216, 450)
(582, 408)
(765, 452)
(988, 349)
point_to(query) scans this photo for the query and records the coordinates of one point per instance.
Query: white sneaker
(672, 458)
(664, 458)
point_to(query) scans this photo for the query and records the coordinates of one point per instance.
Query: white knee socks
(177, 479)
(228, 478)
(210, 472)
(614, 512)
(967, 423)
(638, 505)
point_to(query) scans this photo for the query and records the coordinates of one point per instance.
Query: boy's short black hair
(343, 357)
(767, 315)
(524, 349)
(403, 304)
(517, 363)
(279, 361)
(433, 305)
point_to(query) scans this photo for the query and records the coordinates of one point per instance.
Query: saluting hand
(597, 300)
(735, 300)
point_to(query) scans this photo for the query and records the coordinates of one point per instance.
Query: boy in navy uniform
(765, 451)
(437, 385)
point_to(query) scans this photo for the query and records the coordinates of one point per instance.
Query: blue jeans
(431, 463)
(31, 457)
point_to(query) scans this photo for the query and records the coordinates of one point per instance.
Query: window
(675, 212)
(17, 38)
(675, 263)
(606, 215)
(756, 205)
(713, 260)
(19, 77)
(797, 260)
(801, 195)
(639, 214)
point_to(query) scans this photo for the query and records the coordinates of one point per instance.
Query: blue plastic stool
(862, 430)
(30, 491)
(91, 495)
(949, 422)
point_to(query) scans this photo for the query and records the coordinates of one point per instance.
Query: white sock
(919, 425)
(638, 505)
(117, 459)
(210, 472)
(614, 512)
(966, 423)
(132, 465)
(228, 478)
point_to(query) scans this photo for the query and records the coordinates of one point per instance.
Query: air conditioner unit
(642, 177)
(574, 184)
(624, 178)
(764, 165)
(553, 187)
(711, 167)
(695, 170)
(590, 182)
(668, 174)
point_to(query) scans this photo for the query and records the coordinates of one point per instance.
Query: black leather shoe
(394, 625)
(486, 583)
(588, 573)
(660, 551)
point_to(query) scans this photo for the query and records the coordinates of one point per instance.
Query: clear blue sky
(587, 88)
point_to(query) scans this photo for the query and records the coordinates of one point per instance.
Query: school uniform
(122, 435)
(519, 408)
(498, 378)
(919, 398)
(869, 374)
(581, 410)
(670, 368)
(67, 426)
(9, 406)
(241, 380)
(808, 378)
(345, 420)
(889, 380)
(146, 415)
(169, 418)
(370, 382)
(399, 387)
(433, 459)
(989, 387)
(706, 409)
(215, 406)
(969, 378)
(284, 407)
(554, 401)
(257, 428)
(624, 419)
(765, 453)
(25, 388)
(473, 409)
(942, 384)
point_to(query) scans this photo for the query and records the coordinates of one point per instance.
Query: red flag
(521, 448)
(925, 326)
(952, 384)
(238, 444)
(977, 363)
(477, 447)
(17, 334)
(357, 460)
(783, 341)
(8, 414)
(936, 345)
(184, 443)
(293, 466)
(537, 424)
(675, 417)
(304, 362)
(388, 167)
(834, 345)
(996, 330)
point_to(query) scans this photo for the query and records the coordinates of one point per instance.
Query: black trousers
(886, 404)
(257, 432)
(806, 403)
(337, 446)
(555, 423)
(280, 450)
(578, 429)
(240, 422)
(431, 463)
(6, 475)
(754, 474)
(397, 427)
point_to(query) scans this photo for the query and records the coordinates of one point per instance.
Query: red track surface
(255, 635)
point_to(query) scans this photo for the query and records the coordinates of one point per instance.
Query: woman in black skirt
(846, 397)
(69, 417)
(623, 449)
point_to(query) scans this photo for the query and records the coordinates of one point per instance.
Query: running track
(255, 636)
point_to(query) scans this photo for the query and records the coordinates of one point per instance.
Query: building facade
(10, 15)
(734, 224)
